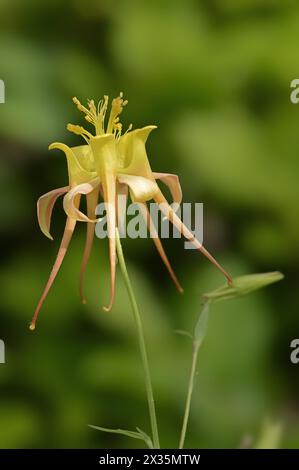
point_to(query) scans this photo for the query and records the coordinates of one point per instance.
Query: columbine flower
(111, 163)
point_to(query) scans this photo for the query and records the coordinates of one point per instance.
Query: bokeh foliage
(214, 76)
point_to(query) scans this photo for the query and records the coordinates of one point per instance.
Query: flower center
(95, 115)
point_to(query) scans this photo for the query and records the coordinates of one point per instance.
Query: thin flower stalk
(142, 345)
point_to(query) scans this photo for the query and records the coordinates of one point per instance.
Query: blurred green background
(215, 77)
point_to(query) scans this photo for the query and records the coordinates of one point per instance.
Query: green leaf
(141, 435)
(183, 333)
(201, 327)
(243, 285)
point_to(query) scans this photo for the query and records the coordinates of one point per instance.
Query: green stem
(196, 346)
(142, 346)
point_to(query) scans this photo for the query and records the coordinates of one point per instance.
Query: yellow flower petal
(173, 183)
(122, 198)
(92, 201)
(181, 227)
(132, 157)
(70, 200)
(109, 191)
(68, 232)
(84, 156)
(104, 153)
(45, 206)
(142, 189)
(155, 237)
(77, 173)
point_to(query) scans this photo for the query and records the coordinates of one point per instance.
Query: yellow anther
(92, 107)
(116, 109)
(79, 130)
(78, 104)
